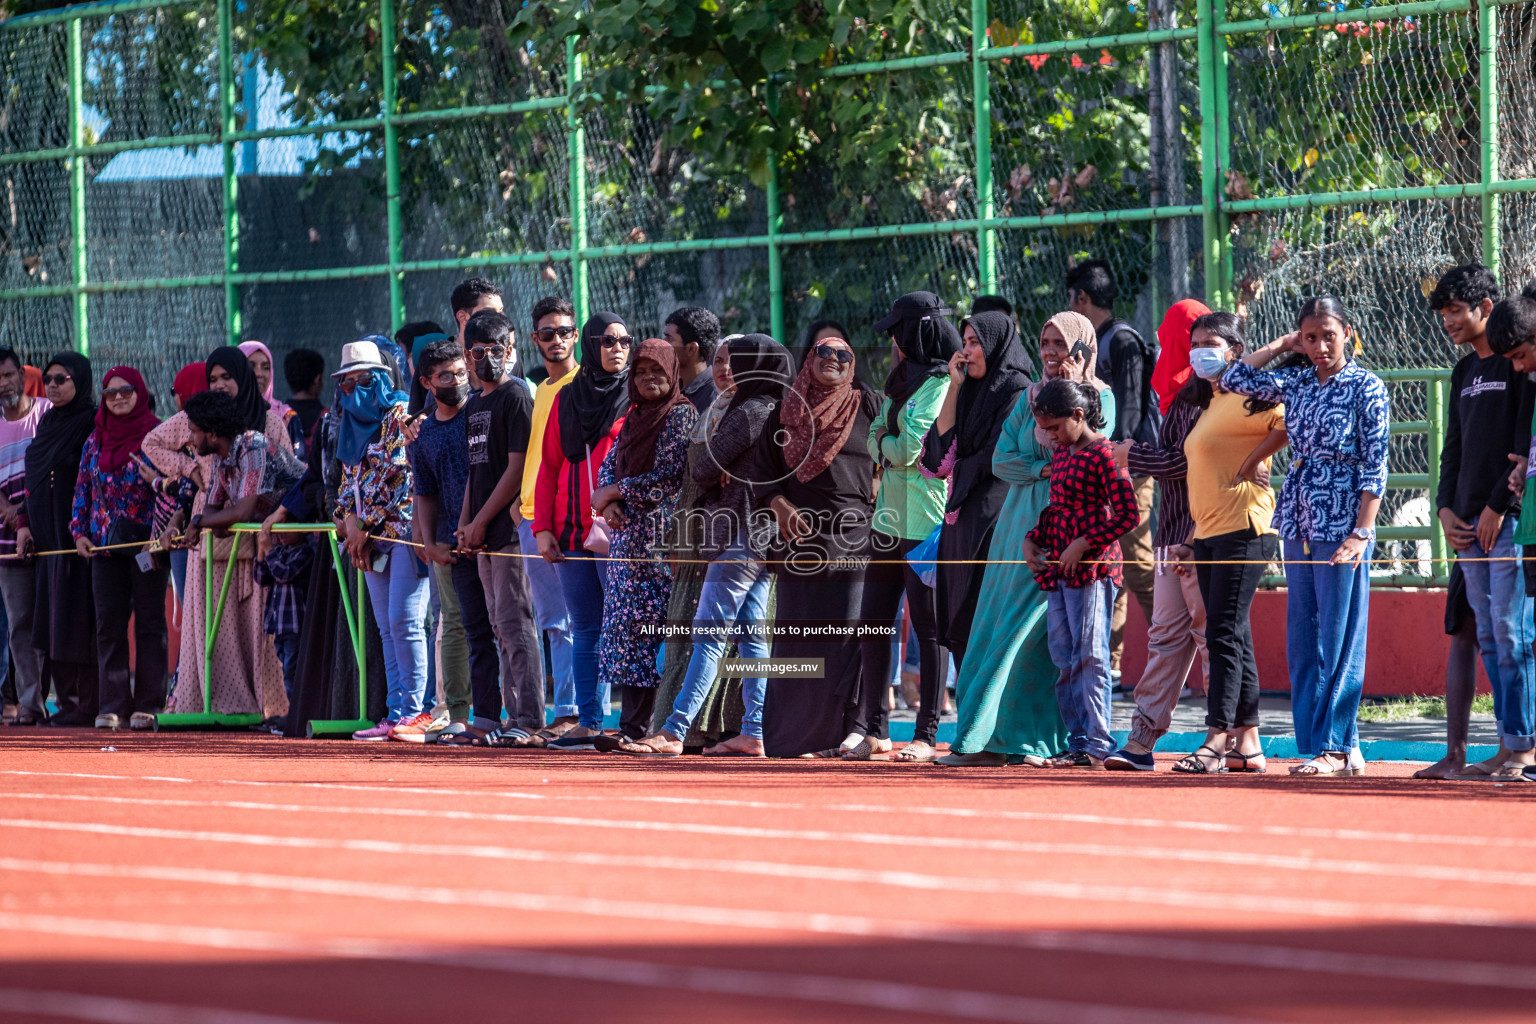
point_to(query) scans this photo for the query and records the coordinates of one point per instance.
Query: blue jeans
(1078, 637)
(1496, 591)
(583, 580)
(399, 598)
(287, 645)
(1325, 621)
(734, 599)
(550, 616)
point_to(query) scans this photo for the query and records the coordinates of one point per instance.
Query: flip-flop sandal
(1310, 770)
(640, 748)
(975, 759)
(1074, 759)
(470, 737)
(828, 753)
(1510, 771)
(860, 751)
(916, 753)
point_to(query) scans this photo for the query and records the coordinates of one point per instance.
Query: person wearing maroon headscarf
(113, 510)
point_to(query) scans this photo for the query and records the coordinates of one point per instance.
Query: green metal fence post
(77, 187)
(981, 106)
(231, 181)
(1223, 153)
(1210, 186)
(1435, 394)
(391, 162)
(1488, 116)
(775, 225)
(577, 140)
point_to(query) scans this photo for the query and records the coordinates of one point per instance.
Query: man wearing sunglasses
(498, 422)
(694, 332)
(554, 334)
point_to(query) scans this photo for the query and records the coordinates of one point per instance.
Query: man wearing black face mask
(498, 422)
(440, 457)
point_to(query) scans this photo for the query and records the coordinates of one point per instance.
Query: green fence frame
(1211, 32)
(213, 617)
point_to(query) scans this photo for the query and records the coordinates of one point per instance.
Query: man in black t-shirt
(497, 423)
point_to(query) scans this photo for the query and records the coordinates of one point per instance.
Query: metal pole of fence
(231, 181)
(1209, 184)
(1223, 152)
(576, 136)
(77, 187)
(775, 225)
(391, 161)
(1435, 391)
(1488, 116)
(981, 106)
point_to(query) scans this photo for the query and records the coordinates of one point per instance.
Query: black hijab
(984, 404)
(62, 430)
(594, 399)
(919, 325)
(762, 369)
(253, 407)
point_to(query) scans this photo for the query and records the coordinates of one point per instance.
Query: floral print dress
(639, 582)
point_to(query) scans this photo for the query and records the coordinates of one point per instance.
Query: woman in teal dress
(1007, 687)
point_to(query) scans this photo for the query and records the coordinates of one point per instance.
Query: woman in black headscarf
(815, 475)
(247, 677)
(583, 424)
(909, 508)
(986, 378)
(64, 619)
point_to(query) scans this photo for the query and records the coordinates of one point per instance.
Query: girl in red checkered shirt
(1075, 555)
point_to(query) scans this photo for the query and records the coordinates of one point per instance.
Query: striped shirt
(1165, 462)
(15, 437)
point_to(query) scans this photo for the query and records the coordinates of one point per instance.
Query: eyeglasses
(824, 351)
(348, 386)
(450, 377)
(609, 341)
(58, 380)
(126, 391)
(495, 352)
(547, 334)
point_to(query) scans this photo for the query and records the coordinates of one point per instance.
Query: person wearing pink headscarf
(263, 366)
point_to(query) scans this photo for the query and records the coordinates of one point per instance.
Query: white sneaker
(108, 722)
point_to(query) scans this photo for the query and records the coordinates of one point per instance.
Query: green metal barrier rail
(213, 618)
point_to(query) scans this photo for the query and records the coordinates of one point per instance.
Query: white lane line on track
(1219, 827)
(1152, 895)
(1478, 974)
(1186, 855)
(114, 1010)
(731, 982)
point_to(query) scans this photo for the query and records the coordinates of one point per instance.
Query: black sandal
(1233, 755)
(1192, 765)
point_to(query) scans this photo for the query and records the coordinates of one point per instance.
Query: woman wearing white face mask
(1176, 634)
(1231, 505)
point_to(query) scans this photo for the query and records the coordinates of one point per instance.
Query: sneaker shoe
(576, 739)
(142, 720)
(108, 722)
(375, 733)
(413, 729)
(1124, 761)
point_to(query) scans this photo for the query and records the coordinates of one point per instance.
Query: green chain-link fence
(170, 176)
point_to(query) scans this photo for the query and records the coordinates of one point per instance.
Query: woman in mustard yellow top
(1231, 504)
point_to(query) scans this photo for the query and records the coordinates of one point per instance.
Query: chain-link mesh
(1370, 104)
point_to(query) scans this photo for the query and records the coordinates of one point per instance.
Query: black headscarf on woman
(594, 399)
(253, 408)
(984, 404)
(62, 430)
(762, 368)
(927, 341)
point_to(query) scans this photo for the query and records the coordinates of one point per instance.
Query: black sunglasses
(547, 334)
(122, 392)
(56, 379)
(842, 355)
(624, 341)
(346, 387)
(496, 351)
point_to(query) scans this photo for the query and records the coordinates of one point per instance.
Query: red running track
(243, 879)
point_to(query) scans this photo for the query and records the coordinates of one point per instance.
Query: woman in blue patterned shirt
(1337, 417)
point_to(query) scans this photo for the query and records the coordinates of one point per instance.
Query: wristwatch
(1365, 533)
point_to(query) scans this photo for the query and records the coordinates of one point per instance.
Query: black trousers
(884, 585)
(122, 590)
(1232, 695)
(484, 660)
(636, 703)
